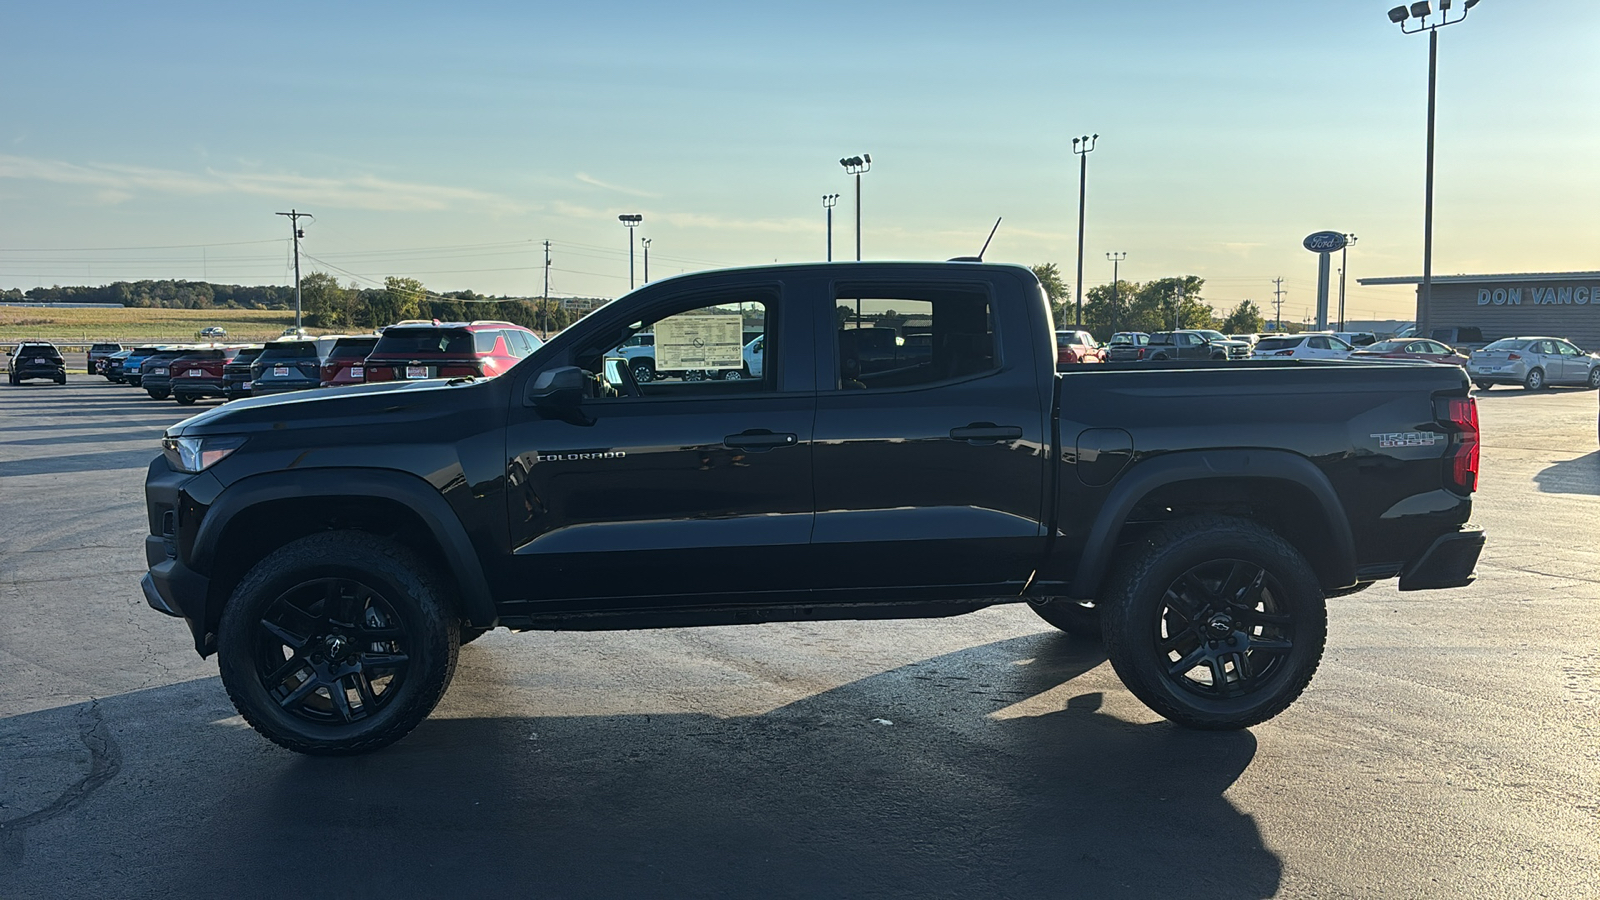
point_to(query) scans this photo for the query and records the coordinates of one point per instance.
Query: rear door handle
(986, 431)
(759, 439)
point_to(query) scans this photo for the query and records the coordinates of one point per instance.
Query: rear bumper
(1450, 561)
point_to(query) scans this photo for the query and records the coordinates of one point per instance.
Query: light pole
(1344, 265)
(1420, 12)
(645, 243)
(1116, 261)
(857, 166)
(828, 203)
(1082, 146)
(631, 221)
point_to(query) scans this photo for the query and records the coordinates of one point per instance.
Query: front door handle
(758, 439)
(986, 431)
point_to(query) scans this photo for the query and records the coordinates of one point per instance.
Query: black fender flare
(1193, 465)
(402, 487)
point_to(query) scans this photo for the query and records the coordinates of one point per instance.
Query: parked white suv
(1316, 345)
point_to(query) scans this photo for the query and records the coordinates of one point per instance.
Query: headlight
(196, 454)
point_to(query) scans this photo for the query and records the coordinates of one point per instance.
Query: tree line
(1163, 304)
(324, 302)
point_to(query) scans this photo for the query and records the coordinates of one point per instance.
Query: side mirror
(558, 388)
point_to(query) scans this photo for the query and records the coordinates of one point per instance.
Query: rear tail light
(1513, 356)
(1460, 415)
(1141, 354)
(1284, 353)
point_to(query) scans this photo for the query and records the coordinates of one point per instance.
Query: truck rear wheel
(1070, 616)
(1214, 622)
(337, 643)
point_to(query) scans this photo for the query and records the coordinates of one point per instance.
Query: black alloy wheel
(643, 372)
(331, 651)
(337, 643)
(1215, 622)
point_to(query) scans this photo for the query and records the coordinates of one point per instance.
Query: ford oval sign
(1324, 242)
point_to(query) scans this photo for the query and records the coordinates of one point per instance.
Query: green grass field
(114, 323)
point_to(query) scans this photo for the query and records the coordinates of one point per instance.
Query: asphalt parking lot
(1446, 748)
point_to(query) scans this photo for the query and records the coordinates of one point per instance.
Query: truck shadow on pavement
(1571, 476)
(997, 777)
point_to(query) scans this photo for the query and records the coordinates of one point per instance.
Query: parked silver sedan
(1533, 362)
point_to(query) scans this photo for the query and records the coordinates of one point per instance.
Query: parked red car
(1074, 347)
(411, 351)
(198, 373)
(346, 362)
(1415, 348)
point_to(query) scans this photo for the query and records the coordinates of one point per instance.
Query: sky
(447, 142)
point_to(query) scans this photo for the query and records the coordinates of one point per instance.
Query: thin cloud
(117, 182)
(631, 192)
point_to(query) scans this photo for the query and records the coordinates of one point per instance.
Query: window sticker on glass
(711, 341)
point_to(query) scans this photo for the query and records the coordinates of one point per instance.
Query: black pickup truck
(336, 548)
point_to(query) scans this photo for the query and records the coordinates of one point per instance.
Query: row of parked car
(407, 351)
(1532, 362)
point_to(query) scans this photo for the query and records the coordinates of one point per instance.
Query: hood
(381, 403)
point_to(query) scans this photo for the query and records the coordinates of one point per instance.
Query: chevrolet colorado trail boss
(335, 549)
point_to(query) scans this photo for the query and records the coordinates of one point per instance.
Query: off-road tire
(1535, 380)
(416, 596)
(1270, 668)
(1070, 616)
(644, 372)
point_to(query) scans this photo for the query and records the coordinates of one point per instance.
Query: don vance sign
(1565, 295)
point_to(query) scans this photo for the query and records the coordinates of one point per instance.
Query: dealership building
(1542, 304)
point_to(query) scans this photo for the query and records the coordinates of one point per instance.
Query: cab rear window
(413, 341)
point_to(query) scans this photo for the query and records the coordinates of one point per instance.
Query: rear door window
(874, 322)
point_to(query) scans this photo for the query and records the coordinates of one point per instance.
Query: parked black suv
(155, 373)
(336, 548)
(288, 364)
(236, 375)
(36, 359)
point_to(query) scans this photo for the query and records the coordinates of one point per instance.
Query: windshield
(412, 341)
(1507, 344)
(1212, 335)
(1278, 343)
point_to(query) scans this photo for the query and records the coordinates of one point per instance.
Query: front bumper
(1450, 561)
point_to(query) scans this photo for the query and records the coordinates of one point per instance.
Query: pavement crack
(105, 761)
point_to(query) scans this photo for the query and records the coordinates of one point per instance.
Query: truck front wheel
(1214, 622)
(337, 643)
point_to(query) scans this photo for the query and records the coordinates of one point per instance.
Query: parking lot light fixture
(631, 221)
(645, 243)
(857, 166)
(828, 203)
(1417, 17)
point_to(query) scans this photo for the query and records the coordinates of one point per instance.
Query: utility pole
(1087, 142)
(295, 232)
(1278, 303)
(544, 304)
(645, 243)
